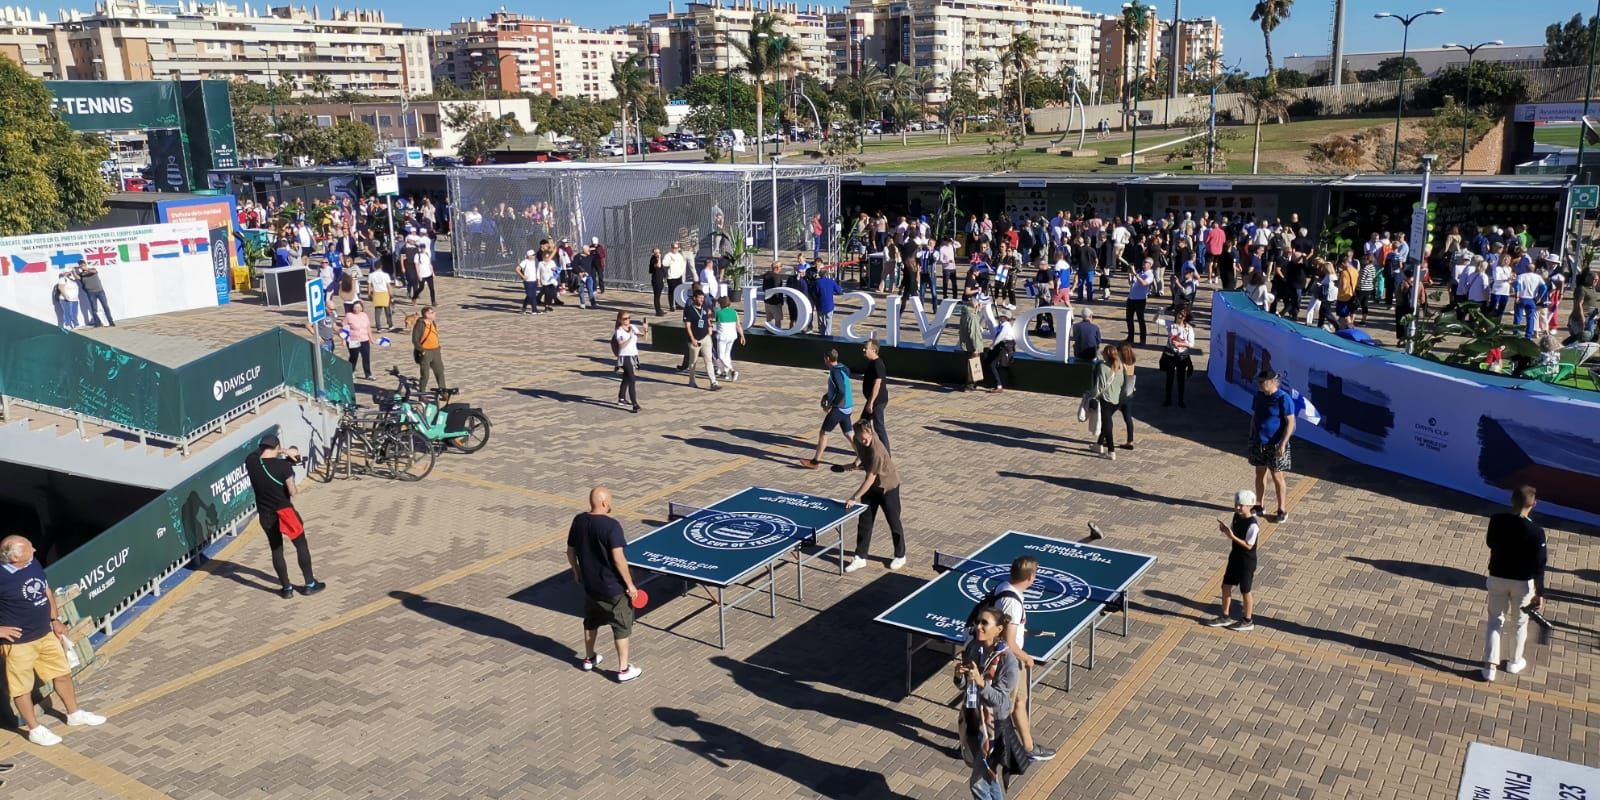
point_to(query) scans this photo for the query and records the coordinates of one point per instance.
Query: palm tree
(765, 52)
(955, 107)
(631, 80)
(321, 86)
(1270, 14)
(982, 67)
(927, 83)
(1265, 99)
(1019, 55)
(865, 90)
(902, 94)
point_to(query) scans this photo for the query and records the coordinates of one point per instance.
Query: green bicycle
(429, 414)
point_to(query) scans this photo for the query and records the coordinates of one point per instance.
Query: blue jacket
(822, 291)
(838, 395)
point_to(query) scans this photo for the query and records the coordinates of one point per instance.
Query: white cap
(532, 253)
(1244, 497)
(594, 240)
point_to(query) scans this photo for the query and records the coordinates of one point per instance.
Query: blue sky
(1306, 31)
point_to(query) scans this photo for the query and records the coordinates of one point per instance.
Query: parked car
(659, 147)
(446, 161)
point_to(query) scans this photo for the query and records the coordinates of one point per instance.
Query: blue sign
(316, 301)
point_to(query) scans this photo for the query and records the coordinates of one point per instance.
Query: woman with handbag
(1177, 357)
(358, 337)
(1000, 353)
(987, 675)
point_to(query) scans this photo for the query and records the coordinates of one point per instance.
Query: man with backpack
(836, 405)
(1008, 600)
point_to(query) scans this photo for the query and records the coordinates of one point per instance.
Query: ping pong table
(1076, 587)
(723, 544)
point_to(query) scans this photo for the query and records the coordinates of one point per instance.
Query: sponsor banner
(145, 269)
(1476, 433)
(41, 363)
(1552, 112)
(117, 564)
(1492, 773)
(219, 215)
(211, 386)
(116, 105)
(1218, 202)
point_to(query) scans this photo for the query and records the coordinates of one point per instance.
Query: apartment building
(668, 42)
(422, 122)
(354, 50)
(1194, 38)
(949, 35)
(1121, 59)
(28, 40)
(700, 38)
(511, 52)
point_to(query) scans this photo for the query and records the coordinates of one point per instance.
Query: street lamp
(1467, 118)
(760, 112)
(1400, 99)
(1138, 63)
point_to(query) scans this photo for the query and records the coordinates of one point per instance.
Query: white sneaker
(897, 563)
(43, 737)
(1488, 674)
(85, 717)
(855, 563)
(1514, 667)
(633, 671)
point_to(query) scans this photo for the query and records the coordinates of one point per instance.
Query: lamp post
(1583, 139)
(1400, 98)
(776, 157)
(727, 80)
(272, 94)
(1467, 118)
(1419, 246)
(1138, 64)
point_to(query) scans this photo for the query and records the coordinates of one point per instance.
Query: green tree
(49, 174)
(1442, 131)
(251, 133)
(299, 136)
(961, 100)
(481, 132)
(1269, 14)
(1567, 45)
(1135, 26)
(1290, 79)
(903, 91)
(321, 86)
(631, 80)
(353, 140)
(1019, 55)
(765, 52)
(1265, 99)
(864, 93)
(1391, 69)
(1494, 86)
(982, 68)
(709, 96)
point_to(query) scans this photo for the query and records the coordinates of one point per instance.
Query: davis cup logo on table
(738, 530)
(1052, 590)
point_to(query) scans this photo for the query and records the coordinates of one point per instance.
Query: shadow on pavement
(1093, 486)
(722, 745)
(561, 397)
(485, 625)
(242, 575)
(1454, 577)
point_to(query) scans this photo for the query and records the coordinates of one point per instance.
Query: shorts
(1241, 572)
(837, 418)
(1265, 455)
(616, 612)
(43, 656)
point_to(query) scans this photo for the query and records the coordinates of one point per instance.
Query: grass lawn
(1277, 141)
(1565, 135)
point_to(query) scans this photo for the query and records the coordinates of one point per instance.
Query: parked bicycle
(430, 414)
(361, 446)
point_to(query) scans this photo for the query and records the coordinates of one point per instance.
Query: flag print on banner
(166, 248)
(100, 255)
(127, 259)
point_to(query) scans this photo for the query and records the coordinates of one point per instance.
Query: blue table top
(1073, 583)
(736, 535)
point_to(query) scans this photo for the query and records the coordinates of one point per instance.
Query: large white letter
(891, 316)
(749, 302)
(846, 326)
(802, 306)
(1061, 317)
(932, 329)
(683, 293)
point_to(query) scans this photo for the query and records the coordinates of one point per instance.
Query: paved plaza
(442, 661)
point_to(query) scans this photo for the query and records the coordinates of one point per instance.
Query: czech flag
(20, 264)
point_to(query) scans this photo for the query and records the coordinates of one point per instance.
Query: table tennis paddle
(1545, 628)
(640, 598)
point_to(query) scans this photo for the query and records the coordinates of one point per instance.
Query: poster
(219, 215)
(1479, 434)
(146, 269)
(1492, 773)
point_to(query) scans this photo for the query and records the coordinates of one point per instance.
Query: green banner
(43, 364)
(208, 126)
(116, 105)
(228, 378)
(338, 378)
(169, 530)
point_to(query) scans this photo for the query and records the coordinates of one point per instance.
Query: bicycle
(429, 414)
(360, 447)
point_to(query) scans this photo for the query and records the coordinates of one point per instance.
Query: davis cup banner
(146, 269)
(1414, 417)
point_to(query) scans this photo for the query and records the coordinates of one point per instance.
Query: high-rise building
(668, 43)
(1195, 38)
(358, 51)
(28, 40)
(1122, 59)
(950, 35)
(507, 51)
(517, 53)
(700, 38)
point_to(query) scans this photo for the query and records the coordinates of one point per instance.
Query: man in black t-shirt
(697, 323)
(1517, 560)
(595, 551)
(773, 303)
(271, 471)
(875, 388)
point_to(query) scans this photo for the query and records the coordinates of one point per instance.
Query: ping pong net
(677, 511)
(948, 562)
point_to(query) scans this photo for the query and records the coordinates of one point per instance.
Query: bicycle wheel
(401, 459)
(337, 451)
(477, 433)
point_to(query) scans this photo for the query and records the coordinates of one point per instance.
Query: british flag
(101, 255)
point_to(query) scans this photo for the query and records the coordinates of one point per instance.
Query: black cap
(269, 442)
(1266, 375)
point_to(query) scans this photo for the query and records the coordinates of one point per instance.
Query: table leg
(800, 576)
(1092, 629)
(909, 652)
(841, 548)
(1070, 654)
(722, 622)
(772, 589)
(1124, 615)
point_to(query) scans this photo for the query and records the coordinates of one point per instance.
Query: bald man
(595, 551)
(30, 624)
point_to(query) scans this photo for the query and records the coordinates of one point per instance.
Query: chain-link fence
(711, 210)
